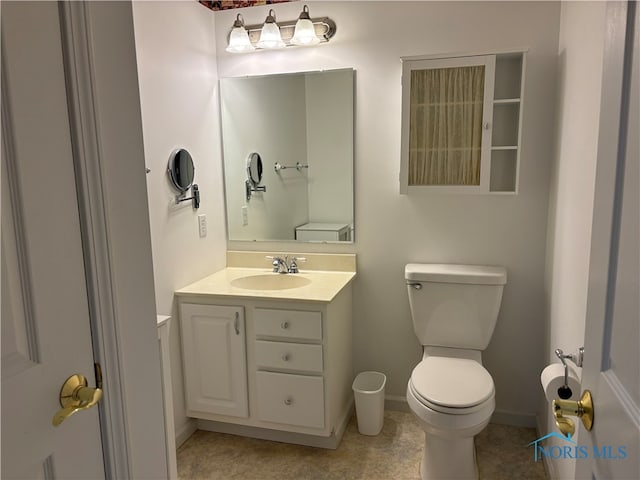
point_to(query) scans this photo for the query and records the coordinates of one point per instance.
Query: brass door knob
(75, 395)
(583, 409)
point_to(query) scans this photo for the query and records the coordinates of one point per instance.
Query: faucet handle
(293, 266)
(275, 262)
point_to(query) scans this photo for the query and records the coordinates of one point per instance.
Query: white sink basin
(273, 281)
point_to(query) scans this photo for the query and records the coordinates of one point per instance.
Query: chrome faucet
(282, 265)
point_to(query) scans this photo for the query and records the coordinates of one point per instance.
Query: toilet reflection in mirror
(304, 123)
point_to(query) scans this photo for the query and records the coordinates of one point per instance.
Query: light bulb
(305, 32)
(239, 38)
(270, 34)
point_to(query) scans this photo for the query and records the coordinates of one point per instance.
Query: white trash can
(368, 389)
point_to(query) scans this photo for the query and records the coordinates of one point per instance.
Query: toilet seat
(451, 385)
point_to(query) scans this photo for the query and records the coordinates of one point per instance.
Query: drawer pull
(284, 325)
(288, 401)
(285, 357)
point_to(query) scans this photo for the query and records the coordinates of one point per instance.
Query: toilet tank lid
(450, 273)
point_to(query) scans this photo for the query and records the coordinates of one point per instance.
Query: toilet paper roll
(552, 378)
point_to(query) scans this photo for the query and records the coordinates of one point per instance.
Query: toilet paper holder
(564, 392)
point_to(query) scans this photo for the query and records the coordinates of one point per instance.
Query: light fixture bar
(325, 29)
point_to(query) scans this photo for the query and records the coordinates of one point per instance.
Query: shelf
(504, 147)
(504, 171)
(506, 101)
(505, 124)
(452, 149)
(446, 104)
(508, 78)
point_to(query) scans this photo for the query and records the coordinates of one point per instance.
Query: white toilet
(454, 310)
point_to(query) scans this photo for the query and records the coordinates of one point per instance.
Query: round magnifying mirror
(181, 170)
(254, 168)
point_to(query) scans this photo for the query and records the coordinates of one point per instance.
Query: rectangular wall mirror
(288, 156)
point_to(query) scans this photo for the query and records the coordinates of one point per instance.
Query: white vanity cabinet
(292, 358)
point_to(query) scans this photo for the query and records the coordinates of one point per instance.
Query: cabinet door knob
(285, 357)
(288, 401)
(284, 325)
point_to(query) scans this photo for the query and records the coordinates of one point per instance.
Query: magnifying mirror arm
(249, 188)
(195, 196)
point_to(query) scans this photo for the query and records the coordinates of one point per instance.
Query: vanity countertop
(323, 286)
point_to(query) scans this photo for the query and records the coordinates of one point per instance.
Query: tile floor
(394, 454)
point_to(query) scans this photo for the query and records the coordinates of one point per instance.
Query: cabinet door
(213, 351)
(446, 120)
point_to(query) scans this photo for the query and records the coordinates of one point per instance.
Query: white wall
(175, 46)
(580, 51)
(265, 115)
(391, 229)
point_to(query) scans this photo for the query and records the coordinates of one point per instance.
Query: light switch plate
(245, 215)
(202, 225)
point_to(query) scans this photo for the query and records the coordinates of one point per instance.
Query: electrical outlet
(202, 225)
(245, 215)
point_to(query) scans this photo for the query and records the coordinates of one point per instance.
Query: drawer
(290, 399)
(290, 356)
(290, 324)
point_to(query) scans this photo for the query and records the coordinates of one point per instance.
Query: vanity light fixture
(304, 31)
(239, 38)
(270, 36)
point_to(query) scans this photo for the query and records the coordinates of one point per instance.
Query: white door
(612, 338)
(214, 356)
(45, 321)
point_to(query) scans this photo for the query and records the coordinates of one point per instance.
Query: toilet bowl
(454, 309)
(453, 400)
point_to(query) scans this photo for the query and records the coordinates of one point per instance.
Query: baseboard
(396, 403)
(330, 442)
(185, 431)
(504, 417)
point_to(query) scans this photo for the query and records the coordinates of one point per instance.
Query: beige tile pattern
(394, 454)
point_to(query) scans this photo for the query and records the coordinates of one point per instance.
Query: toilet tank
(454, 305)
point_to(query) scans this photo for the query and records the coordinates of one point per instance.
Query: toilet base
(448, 458)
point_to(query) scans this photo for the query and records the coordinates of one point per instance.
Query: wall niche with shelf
(481, 129)
(507, 123)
